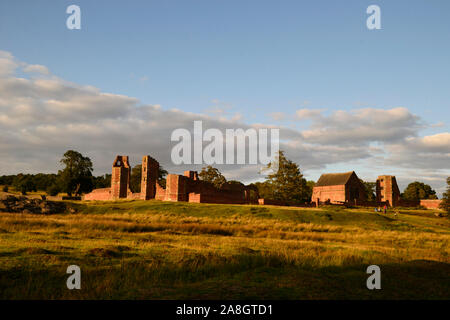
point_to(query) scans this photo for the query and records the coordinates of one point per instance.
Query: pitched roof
(333, 179)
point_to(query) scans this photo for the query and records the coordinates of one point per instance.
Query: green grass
(163, 250)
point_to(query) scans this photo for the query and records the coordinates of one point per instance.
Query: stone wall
(270, 202)
(430, 204)
(387, 190)
(335, 194)
(120, 178)
(149, 177)
(189, 188)
(99, 194)
(185, 187)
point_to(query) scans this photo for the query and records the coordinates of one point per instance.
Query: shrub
(53, 190)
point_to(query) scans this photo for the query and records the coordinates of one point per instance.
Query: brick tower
(149, 177)
(387, 190)
(120, 178)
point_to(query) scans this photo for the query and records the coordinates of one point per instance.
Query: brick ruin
(332, 188)
(338, 188)
(186, 187)
(387, 190)
(346, 188)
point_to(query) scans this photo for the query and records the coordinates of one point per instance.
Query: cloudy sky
(344, 97)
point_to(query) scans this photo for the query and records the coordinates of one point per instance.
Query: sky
(344, 97)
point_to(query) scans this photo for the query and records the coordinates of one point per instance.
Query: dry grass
(173, 250)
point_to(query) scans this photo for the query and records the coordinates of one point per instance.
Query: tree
(102, 181)
(309, 189)
(264, 190)
(162, 176)
(53, 190)
(136, 176)
(24, 183)
(32, 182)
(287, 184)
(370, 190)
(212, 175)
(445, 204)
(418, 190)
(76, 177)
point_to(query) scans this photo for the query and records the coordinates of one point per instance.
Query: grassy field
(161, 250)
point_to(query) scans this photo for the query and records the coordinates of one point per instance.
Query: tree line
(76, 178)
(286, 185)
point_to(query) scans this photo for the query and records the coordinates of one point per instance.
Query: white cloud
(303, 114)
(42, 117)
(360, 126)
(36, 68)
(7, 64)
(277, 116)
(422, 152)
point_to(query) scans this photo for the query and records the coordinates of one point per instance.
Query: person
(385, 208)
(376, 210)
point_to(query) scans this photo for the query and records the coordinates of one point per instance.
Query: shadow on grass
(250, 275)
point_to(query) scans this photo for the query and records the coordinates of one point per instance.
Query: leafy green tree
(135, 178)
(39, 181)
(287, 184)
(24, 183)
(53, 190)
(370, 188)
(212, 175)
(102, 181)
(309, 189)
(76, 177)
(136, 175)
(162, 176)
(264, 190)
(418, 190)
(7, 180)
(445, 204)
(43, 180)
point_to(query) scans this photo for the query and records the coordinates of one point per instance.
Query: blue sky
(249, 58)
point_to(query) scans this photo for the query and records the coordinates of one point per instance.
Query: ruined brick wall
(387, 190)
(160, 192)
(191, 175)
(408, 203)
(189, 188)
(175, 188)
(149, 178)
(270, 202)
(103, 194)
(185, 187)
(335, 194)
(120, 179)
(431, 204)
(134, 196)
(228, 194)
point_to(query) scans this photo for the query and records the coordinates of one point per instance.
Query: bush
(53, 190)
(5, 189)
